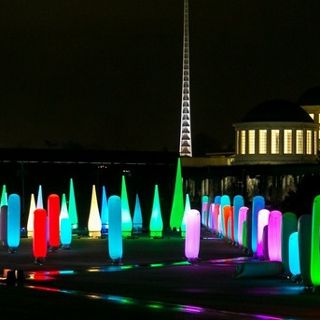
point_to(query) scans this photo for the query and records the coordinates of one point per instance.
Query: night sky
(107, 74)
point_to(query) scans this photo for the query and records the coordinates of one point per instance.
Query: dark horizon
(107, 75)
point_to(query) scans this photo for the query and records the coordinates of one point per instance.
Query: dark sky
(107, 74)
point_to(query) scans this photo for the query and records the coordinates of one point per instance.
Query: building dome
(277, 111)
(311, 97)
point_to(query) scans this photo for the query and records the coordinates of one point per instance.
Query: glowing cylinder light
(187, 207)
(289, 225)
(227, 216)
(39, 198)
(211, 217)
(3, 224)
(137, 216)
(104, 211)
(65, 224)
(13, 221)
(225, 201)
(241, 219)
(257, 204)
(39, 244)
(53, 207)
(304, 239)
(125, 210)
(72, 208)
(177, 209)
(294, 258)
(30, 216)
(192, 241)
(263, 219)
(156, 224)
(204, 210)
(315, 242)
(115, 232)
(238, 202)
(274, 235)
(94, 221)
(216, 209)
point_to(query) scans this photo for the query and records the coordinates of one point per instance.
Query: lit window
(311, 115)
(299, 142)
(262, 141)
(252, 142)
(275, 134)
(243, 142)
(309, 142)
(319, 123)
(287, 141)
(315, 142)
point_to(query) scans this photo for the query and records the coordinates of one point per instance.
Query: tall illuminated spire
(185, 148)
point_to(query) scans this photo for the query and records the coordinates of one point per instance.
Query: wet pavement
(153, 280)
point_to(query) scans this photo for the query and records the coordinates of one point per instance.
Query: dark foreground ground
(154, 281)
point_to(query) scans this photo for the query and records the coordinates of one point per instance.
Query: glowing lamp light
(315, 242)
(115, 232)
(30, 216)
(238, 202)
(258, 203)
(241, 219)
(104, 210)
(39, 198)
(94, 221)
(204, 210)
(294, 257)
(304, 238)
(4, 196)
(39, 244)
(177, 209)
(156, 224)
(65, 224)
(187, 207)
(211, 217)
(192, 241)
(53, 209)
(13, 221)
(274, 235)
(289, 225)
(72, 208)
(216, 210)
(125, 210)
(227, 218)
(137, 216)
(263, 219)
(225, 201)
(245, 234)
(3, 224)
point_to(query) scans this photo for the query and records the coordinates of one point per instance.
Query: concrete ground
(154, 280)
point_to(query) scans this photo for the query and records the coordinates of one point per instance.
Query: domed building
(310, 102)
(276, 132)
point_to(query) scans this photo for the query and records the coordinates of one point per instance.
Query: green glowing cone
(177, 208)
(125, 210)
(72, 209)
(4, 196)
(156, 224)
